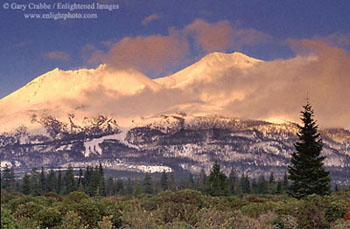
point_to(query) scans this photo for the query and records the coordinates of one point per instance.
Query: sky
(160, 37)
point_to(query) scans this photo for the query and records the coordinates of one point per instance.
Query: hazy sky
(158, 37)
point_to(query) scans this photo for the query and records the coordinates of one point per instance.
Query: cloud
(279, 88)
(57, 55)
(269, 90)
(149, 54)
(150, 18)
(159, 54)
(222, 35)
(212, 37)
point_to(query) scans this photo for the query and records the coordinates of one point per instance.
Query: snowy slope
(61, 92)
(207, 68)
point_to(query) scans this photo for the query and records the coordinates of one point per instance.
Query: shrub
(170, 212)
(7, 221)
(253, 209)
(72, 220)
(28, 210)
(213, 218)
(105, 223)
(48, 217)
(177, 225)
(185, 196)
(137, 218)
(335, 210)
(312, 213)
(286, 222)
(76, 197)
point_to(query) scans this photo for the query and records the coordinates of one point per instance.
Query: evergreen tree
(254, 186)
(245, 184)
(217, 182)
(202, 180)
(262, 185)
(172, 183)
(43, 182)
(232, 179)
(87, 177)
(279, 187)
(137, 189)
(190, 184)
(129, 190)
(306, 172)
(285, 184)
(69, 181)
(102, 187)
(35, 182)
(336, 188)
(147, 184)
(182, 184)
(119, 186)
(26, 187)
(51, 181)
(157, 187)
(272, 183)
(93, 181)
(80, 178)
(164, 181)
(59, 182)
(8, 181)
(110, 186)
(80, 183)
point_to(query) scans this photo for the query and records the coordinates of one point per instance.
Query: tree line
(93, 182)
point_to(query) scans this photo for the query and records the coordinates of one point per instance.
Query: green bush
(213, 218)
(335, 210)
(48, 217)
(183, 209)
(171, 212)
(312, 213)
(28, 210)
(72, 220)
(177, 225)
(7, 220)
(253, 209)
(286, 222)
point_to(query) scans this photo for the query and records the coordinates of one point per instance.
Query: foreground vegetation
(182, 209)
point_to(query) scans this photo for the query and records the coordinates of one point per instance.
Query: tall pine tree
(8, 181)
(51, 181)
(147, 184)
(306, 172)
(164, 181)
(217, 182)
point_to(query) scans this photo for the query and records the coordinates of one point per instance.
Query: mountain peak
(207, 68)
(236, 58)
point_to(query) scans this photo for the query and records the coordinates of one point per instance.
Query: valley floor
(182, 209)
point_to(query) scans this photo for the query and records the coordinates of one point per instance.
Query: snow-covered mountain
(130, 122)
(126, 95)
(207, 69)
